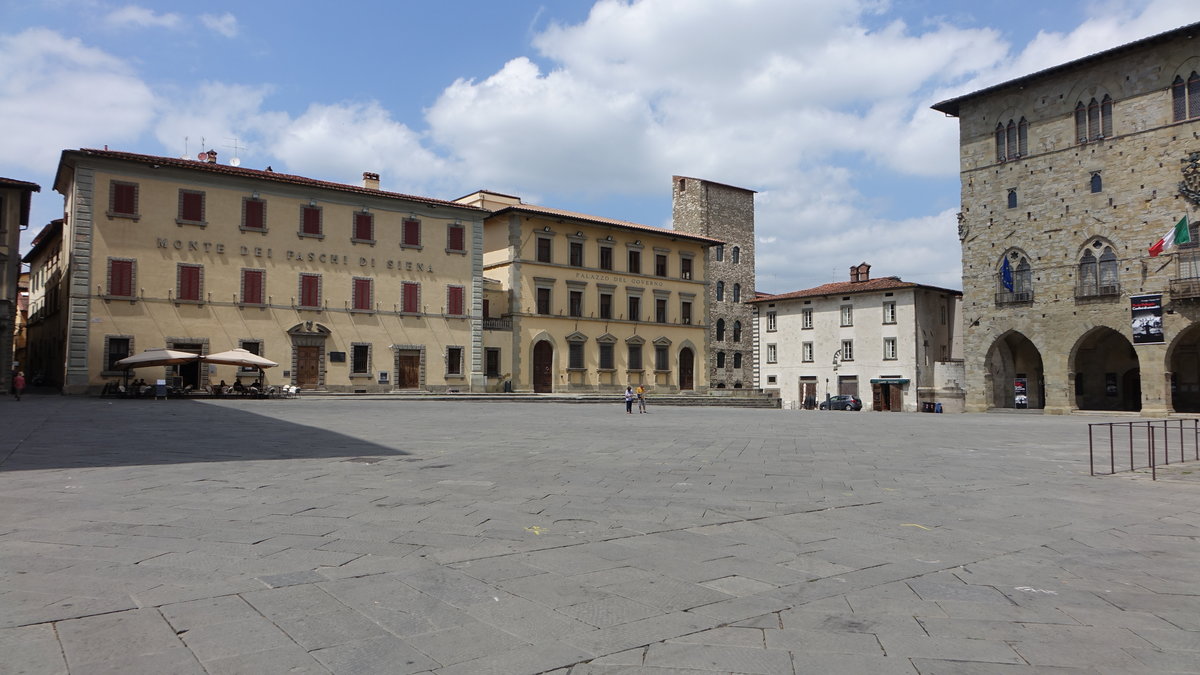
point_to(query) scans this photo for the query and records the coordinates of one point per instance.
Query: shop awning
(889, 380)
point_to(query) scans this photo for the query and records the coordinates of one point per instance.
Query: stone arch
(1021, 274)
(1106, 371)
(1183, 367)
(1014, 358)
(539, 360)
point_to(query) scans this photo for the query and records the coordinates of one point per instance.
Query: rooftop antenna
(203, 155)
(185, 149)
(235, 161)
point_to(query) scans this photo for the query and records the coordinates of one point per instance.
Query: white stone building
(895, 344)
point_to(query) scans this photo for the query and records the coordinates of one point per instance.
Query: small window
(120, 278)
(491, 362)
(543, 249)
(720, 291)
(635, 308)
(310, 291)
(720, 330)
(889, 349)
(606, 305)
(410, 297)
(847, 350)
(685, 268)
(254, 214)
(123, 199)
(575, 303)
(606, 258)
(737, 331)
(720, 359)
(660, 265)
(116, 349)
(685, 312)
(635, 262)
(411, 237)
(635, 356)
(543, 301)
(847, 315)
(456, 238)
(189, 282)
(454, 301)
(772, 322)
(806, 318)
(772, 354)
(660, 310)
(191, 207)
(360, 359)
(253, 286)
(720, 252)
(737, 360)
(363, 295)
(662, 358)
(254, 347)
(1012, 198)
(737, 292)
(364, 227)
(310, 221)
(735, 255)
(607, 358)
(575, 360)
(806, 352)
(454, 360)
(889, 312)
(1097, 183)
(575, 258)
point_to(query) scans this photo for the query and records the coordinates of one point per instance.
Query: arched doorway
(543, 367)
(1184, 364)
(1107, 373)
(687, 369)
(1014, 373)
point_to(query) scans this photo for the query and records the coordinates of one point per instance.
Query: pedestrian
(641, 399)
(629, 399)
(19, 384)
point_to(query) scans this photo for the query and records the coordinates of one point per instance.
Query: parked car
(842, 402)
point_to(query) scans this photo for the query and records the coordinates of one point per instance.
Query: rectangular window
(254, 214)
(889, 349)
(123, 199)
(454, 360)
(120, 278)
(254, 347)
(575, 303)
(607, 361)
(412, 234)
(363, 300)
(635, 262)
(456, 238)
(847, 350)
(806, 352)
(606, 262)
(660, 265)
(847, 315)
(635, 357)
(310, 221)
(576, 258)
(660, 310)
(720, 254)
(806, 321)
(310, 290)
(543, 301)
(606, 305)
(454, 301)
(410, 297)
(662, 358)
(575, 355)
(364, 227)
(635, 308)
(360, 359)
(118, 348)
(253, 287)
(543, 249)
(189, 282)
(685, 268)
(491, 362)
(771, 322)
(191, 207)
(685, 312)
(772, 354)
(889, 312)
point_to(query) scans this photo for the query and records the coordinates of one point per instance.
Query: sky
(820, 106)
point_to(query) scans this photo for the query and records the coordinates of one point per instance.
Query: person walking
(19, 384)
(641, 399)
(628, 399)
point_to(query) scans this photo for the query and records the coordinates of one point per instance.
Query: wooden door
(308, 367)
(408, 370)
(543, 367)
(897, 397)
(879, 397)
(686, 368)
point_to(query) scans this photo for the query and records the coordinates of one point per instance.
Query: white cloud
(140, 17)
(225, 24)
(57, 93)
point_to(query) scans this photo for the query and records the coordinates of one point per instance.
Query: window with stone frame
(889, 349)
(606, 305)
(360, 359)
(189, 282)
(772, 353)
(456, 238)
(410, 234)
(720, 359)
(720, 291)
(310, 221)
(660, 310)
(719, 252)
(575, 302)
(685, 267)
(635, 261)
(737, 292)
(662, 358)
(116, 347)
(685, 312)
(735, 255)
(575, 254)
(847, 315)
(362, 293)
(1098, 274)
(635, 308)
(363, 225)
(123, 199)
(410, 297)
(544, 248)
(720, 330)
(607, 358)
(491, 362)
(575, 355)
(660, 264)
(543, 300)
(737, 331)
(310, 291)
(456, 300)
(806, 318)
(889, 312)
(772, 322)
(191, 208)
(606, 258)
(1096, 182)
(254, 287)
(634, 351)
(254, 214)
(847, 350)
(806, 352)
(737, 360)
(1019, 277)
(454, 361)
(1012, 140)
(1185, 97)
(122, 272)
(1093, 120)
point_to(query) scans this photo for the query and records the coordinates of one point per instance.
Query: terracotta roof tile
(848, 287)
(20, 184)
(600, 220)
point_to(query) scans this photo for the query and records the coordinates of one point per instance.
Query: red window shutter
(412, 233)
(124, 200)
(255, 212)
(411, 297)
(363, 229)
(312, 220)
(191, 206)
(120, 276)
(252, 287)
(309, 290)
(455, 238)
(362, 294)
(455, 300)
(189, 282)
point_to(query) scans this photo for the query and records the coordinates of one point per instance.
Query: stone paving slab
(361, 536)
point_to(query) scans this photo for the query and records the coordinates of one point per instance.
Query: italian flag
(1176, 235)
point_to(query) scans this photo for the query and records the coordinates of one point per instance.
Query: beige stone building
(347, 287)
(15, 200)
(1069, 175)
(580, 303)
(46, 326)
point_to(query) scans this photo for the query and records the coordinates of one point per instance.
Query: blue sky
(820, 106)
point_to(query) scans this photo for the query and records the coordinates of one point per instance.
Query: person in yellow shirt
(641, 399)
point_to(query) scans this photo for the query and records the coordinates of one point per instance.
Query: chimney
(211, 156)
(370, 180)
(860, 272)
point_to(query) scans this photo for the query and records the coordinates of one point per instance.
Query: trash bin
(508, 386)
(926, 406)
(937, 407)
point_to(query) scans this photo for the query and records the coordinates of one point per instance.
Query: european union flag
(1006, 275)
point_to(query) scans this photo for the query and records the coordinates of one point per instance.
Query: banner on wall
(1147, 319)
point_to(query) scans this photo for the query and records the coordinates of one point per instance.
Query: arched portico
(1014, 374)
(1107, 373)
(1183, 361)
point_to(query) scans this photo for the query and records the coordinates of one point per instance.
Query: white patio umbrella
(156, 357)
(240, 357)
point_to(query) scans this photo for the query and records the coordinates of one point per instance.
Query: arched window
(1014, 279)
(1012, 198)
(1109, 283)
(737, 359)
(1098, 276)
(737, 331)
(720, 291)
(1097, 182)
(1093, 119)
(1000, 154)
(1081, 122)
(720, 329)
(1011, 140)
(737, 255)
(1089, 274)
(737, 292)
(1022, 137)
(1106, 116)
(1193, 95)
(720, 359)
(720, 252)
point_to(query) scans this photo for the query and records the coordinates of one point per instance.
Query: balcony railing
(1014, 298)
(1086, 291)
(1185, 288)
(497, 323)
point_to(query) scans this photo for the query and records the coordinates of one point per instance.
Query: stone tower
(727, 213)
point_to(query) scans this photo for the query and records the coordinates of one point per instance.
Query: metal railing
(1091, 290)
(1014, 298)
(1146, 440)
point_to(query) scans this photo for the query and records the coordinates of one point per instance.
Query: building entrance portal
(408, 369)
(1107, 373)
(543, 367)
(1014, 373)
(188, 373)
(1185, 371)
(686, 370)
(308, 367)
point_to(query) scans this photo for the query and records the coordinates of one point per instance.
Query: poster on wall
(1147, 321)
(1021, 392)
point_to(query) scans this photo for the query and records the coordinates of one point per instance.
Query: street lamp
(836, 356)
